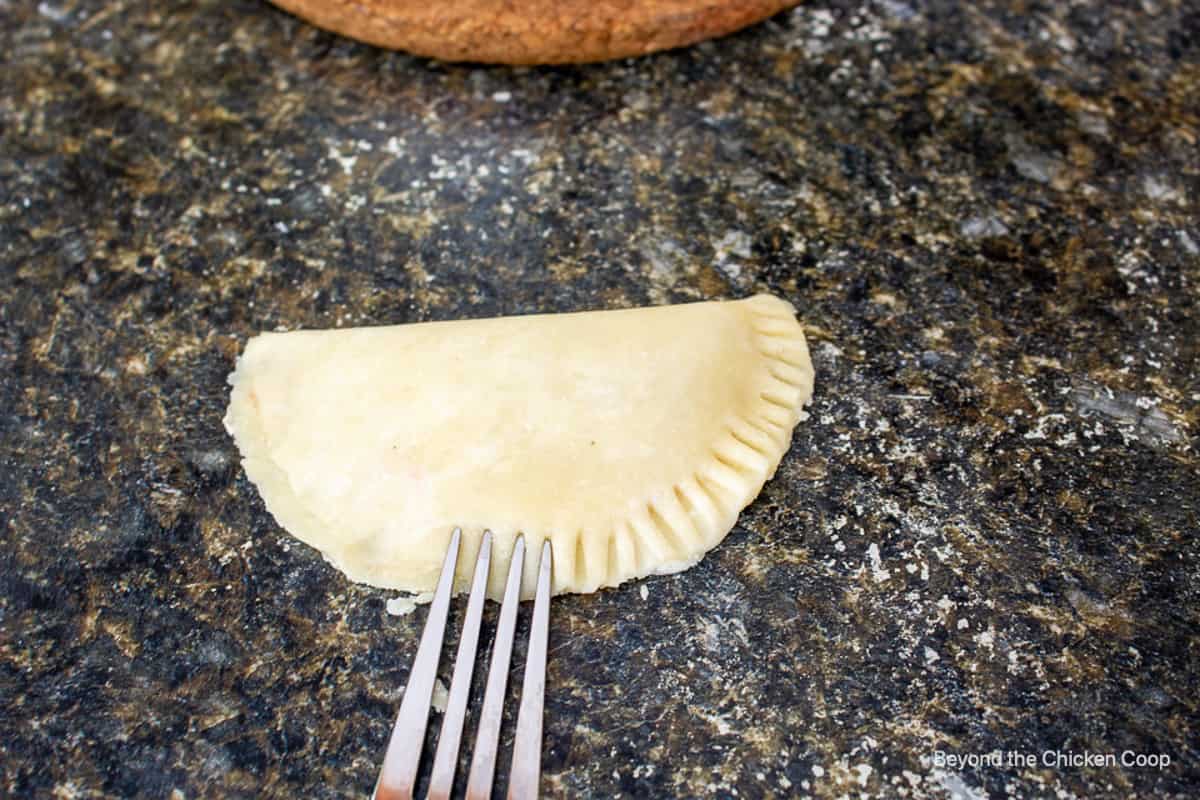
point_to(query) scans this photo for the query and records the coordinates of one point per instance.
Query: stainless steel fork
(398, 775)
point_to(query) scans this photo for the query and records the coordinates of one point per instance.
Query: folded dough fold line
(631, 439)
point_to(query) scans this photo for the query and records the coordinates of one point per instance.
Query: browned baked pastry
(533, 31)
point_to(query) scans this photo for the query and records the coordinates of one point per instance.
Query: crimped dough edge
(674, 525)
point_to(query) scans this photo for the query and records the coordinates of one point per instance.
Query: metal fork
(398, 775)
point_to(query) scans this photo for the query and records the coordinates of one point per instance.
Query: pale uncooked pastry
(630, 439)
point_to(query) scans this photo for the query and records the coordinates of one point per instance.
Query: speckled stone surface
(984, 539)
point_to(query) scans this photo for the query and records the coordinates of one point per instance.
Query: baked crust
(533, 31)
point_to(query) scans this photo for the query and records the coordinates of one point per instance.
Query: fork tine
(527, 744)
(444, 760)
(483, 763)
(398, 775)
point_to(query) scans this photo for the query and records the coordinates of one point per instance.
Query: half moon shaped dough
(630, 439)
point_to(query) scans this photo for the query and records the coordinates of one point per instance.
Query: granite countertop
(983, 540)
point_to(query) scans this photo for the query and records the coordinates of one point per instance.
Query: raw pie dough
(630, 439)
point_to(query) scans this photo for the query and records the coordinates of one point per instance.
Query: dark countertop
(983, 540)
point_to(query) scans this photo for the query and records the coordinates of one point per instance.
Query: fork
(398, 775)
